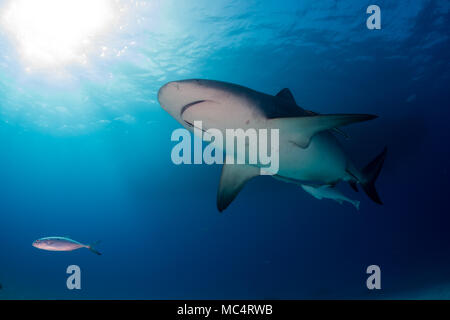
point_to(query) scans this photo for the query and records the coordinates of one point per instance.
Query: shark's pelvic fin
(232, 180)
(300, 130)
(287, 95)
(370, 174)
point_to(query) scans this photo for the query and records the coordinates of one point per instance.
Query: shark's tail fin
(370, 174)
(93, 249)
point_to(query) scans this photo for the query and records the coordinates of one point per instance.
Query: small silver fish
(329, 192)
(63, 244)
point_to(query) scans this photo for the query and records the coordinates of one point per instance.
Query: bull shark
(309, 151)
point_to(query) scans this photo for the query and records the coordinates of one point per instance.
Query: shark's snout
(216, 104)
(182, 89)
(177, 96)
(166, 90)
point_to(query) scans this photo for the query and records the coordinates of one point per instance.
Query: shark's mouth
(208, 112)
(187, 106)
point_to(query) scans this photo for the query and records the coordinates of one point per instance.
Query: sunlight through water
(52, 33)
(81, 66)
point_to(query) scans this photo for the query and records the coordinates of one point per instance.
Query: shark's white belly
(323, 160)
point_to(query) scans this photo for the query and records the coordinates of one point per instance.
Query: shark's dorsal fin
(286, 94)
(300, 130)
(232, 180)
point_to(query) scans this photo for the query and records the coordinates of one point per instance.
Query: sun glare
(56, 32)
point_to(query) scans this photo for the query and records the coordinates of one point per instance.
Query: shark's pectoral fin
(232, 180)
(337, 130)
(287, 95)
(300, 130)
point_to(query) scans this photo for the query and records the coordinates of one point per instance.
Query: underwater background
(85, 153)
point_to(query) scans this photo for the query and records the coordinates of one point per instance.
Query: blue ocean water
(85, 153)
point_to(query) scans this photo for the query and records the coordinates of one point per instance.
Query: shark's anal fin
(232, 180)
(287, 95)
(300, 130)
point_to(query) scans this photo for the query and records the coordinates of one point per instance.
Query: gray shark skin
(308, 149)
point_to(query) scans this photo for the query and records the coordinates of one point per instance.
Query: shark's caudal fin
(92, 248)
(370, 174)
(352, 184)
(232, 180)
(300, 130)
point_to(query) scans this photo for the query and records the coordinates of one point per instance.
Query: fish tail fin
(92, 248)
(370, 174)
